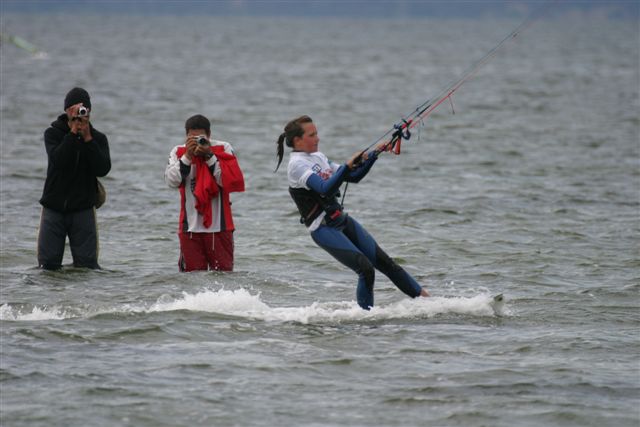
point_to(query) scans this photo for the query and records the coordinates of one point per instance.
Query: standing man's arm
(177, 169)
(62, 152)
(97, 151)
(92, 143)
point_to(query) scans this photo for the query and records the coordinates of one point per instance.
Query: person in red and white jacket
(205, 171)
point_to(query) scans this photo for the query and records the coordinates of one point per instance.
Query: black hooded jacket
(73, 167)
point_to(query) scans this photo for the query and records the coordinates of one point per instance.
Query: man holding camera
(77, 155)
(205, 171)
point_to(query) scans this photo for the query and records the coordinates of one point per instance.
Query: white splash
(35, 314)
(238, 302)
(244, 304)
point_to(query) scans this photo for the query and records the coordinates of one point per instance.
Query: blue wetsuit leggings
(354, 247)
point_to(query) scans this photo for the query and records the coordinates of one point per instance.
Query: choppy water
(531, 189)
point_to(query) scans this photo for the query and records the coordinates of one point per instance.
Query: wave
(243, 304)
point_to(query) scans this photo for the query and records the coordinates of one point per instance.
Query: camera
(202, 140)
(83, 111)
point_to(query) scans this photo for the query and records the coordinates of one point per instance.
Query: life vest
(311, 205)
(232, 181)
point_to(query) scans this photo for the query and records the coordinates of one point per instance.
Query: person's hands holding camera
(191, 143)
(198, 145)
(79, 121)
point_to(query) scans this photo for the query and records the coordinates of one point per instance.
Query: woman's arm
(362, 169)
(331, 185)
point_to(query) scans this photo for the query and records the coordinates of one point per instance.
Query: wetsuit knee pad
(384, 262)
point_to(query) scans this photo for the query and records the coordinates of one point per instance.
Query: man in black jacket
(78, 153)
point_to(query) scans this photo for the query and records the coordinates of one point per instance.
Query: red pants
(206, 251)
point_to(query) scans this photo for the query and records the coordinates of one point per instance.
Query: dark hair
(198, 122)
(291, 130)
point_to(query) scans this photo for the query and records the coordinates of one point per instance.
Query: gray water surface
(531, 189)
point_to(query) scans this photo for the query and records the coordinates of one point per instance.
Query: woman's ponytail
(291, 130)
(280, 149)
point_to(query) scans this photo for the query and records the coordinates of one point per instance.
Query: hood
(61, 123)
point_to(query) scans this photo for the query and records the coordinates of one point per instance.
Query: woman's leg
(342, 249)
(379, 258)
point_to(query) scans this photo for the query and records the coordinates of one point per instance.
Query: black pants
(82, 229)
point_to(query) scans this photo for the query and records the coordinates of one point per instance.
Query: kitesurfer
(314, 183)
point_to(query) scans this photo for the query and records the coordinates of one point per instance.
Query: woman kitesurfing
(314, 183)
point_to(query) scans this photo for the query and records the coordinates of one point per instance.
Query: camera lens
(203, 141)
(82, 111)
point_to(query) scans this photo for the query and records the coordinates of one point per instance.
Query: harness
(311, 205)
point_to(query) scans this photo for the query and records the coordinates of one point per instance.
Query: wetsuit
(314, 182)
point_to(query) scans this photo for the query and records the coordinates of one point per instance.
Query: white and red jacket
(182, 173)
